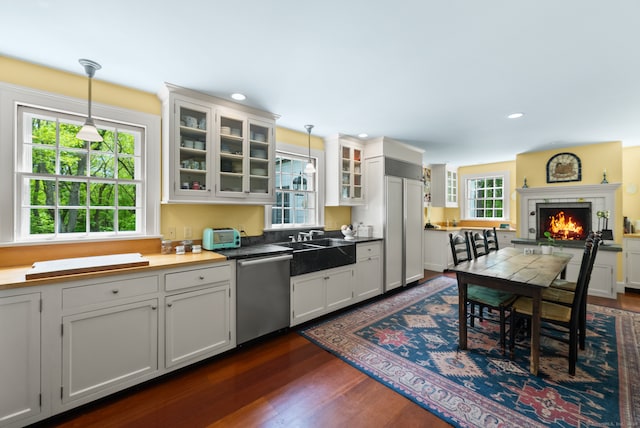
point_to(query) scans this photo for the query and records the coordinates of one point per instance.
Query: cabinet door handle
(115, 291)
(169, 304)
(153, 308)
(326, 277)
(201, 277)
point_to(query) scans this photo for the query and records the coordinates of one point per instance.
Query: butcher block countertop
(15, 277)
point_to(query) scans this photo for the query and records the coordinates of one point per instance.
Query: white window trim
(11, 96)
(462, 198)
(319, 156)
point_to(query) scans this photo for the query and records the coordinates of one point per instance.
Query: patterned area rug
(409, 342)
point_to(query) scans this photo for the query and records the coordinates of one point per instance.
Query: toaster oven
(217, 239)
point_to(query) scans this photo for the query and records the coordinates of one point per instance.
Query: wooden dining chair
(564, 294)
(460, 250)
(491, 240)
(566, 317)
(477, 295)
(478, 245)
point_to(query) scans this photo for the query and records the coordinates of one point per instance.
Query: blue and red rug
(409, 343)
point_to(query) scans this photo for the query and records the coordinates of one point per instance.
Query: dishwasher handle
(263, 260)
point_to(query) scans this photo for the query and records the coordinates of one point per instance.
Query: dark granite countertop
(254, 251)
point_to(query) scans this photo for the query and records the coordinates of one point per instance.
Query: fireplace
(564, 220)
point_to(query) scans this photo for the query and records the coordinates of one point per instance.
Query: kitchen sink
(320, 254)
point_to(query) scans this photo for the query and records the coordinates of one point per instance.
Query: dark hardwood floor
(284, 381)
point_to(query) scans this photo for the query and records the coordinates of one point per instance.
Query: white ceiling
(441, 75)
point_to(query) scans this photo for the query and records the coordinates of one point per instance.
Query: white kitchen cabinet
(20, 380)
(109, 336)
(632, 262)
(308, 297)
(340, 291)
(246, 153)
(318, 293)
(444, 186)
(187, 147)
(108, 349)
(505, 237)
(344, 175)
(215, 151)
(437, 250)
(199, 319)
(369, 279)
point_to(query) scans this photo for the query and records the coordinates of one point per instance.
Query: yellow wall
(75, 85)
(197, 217)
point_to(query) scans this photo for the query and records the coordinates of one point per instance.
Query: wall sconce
(89, 132)
(309, 169)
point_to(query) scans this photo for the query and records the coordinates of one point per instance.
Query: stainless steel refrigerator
(395, 209)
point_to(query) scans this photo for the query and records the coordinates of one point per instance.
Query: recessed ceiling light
(515, 115)
(238, 96)
(363, 135)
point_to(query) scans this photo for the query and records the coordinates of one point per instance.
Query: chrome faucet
(304, 236)
(315, 232)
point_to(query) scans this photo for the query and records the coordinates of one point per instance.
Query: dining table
(522, 273)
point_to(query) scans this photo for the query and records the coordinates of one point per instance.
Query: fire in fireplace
(564, 220)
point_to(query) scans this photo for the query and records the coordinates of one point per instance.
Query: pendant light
(309, 169)
(89, 132)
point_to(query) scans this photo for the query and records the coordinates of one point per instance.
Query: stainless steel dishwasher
(262, 294)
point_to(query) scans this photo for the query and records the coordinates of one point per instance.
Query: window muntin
(296, 195)
(485, 198)
(70, 187)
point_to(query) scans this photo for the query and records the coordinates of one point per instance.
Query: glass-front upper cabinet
(444, 186)
(351, 185)
(191, 166)
(245, 158)
(344, 171)
(214, 151)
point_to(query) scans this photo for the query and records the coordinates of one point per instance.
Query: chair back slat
(478, 244)
(491, 240)
(460, 249)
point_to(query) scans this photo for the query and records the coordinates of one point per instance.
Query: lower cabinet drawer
(192, 278)
(367, 250)
(74, 297)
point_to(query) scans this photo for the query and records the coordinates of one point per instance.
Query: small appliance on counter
(217, 239)
(364, 231)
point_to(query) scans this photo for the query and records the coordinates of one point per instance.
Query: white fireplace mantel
(601, 196)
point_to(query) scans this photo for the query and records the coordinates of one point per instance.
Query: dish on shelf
(191, 121)
(259, 137)
(236, 132)
(258, 171)
(198, 145)
(258, 153)
(225, 130)
(188, 144)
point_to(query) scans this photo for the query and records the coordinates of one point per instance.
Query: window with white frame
(69, 187)
(485, 197)
(62, 188)
(296, 192)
